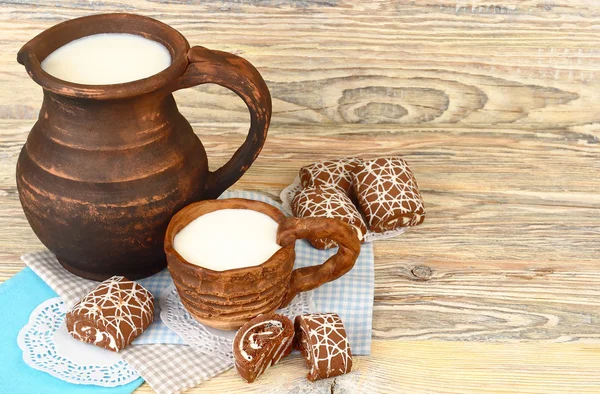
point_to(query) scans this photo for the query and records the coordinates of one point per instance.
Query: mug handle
(238, 75)
(308, 278)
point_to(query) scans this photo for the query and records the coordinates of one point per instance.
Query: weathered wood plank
(487, 300)
(384, 62)
(495, 106)
(436, 367)
(509, 194)
(511, 254)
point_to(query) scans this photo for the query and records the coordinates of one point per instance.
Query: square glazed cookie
(112, 315)
(324, 345)
(388, 194)
(333, 173)
(328, 202)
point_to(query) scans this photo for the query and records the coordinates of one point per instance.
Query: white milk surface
(104, 59)
(228, 239)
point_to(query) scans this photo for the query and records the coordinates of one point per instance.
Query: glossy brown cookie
(323, 343)
(388, 194)
(112, 315)
(332, 173)
(260, 343)
(329, 202)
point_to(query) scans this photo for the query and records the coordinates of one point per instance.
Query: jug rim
(38, 48)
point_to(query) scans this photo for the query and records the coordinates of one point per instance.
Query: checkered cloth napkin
(168, 365)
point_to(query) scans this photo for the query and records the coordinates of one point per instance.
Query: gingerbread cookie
(260, 343)
(112, 315)
(332, 173)
(322, 340)
(329, 202)
(388, 194)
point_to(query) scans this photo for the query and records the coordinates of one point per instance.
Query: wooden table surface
(496, 107)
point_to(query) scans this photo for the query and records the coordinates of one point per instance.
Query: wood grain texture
(436, 367)
(494, 106)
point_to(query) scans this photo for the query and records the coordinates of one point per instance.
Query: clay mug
(106, 166)
(227, 299)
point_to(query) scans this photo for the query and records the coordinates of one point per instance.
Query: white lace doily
(290, 191)
(47, 346)
(208, 339)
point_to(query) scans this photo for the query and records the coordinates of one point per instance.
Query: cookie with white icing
(328, 202)
(332, 173)
(324, 345)
(260, 343)
(388, 194)
(112, 315)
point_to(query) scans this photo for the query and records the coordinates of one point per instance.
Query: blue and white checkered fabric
(158, 332)
(350, 296)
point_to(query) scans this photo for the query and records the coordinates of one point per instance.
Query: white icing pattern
(267, 341)
(388, 192)
(326, 342)
(119, 309)
(289, 192)
(252, 339)
(332, 204)
(334, 173)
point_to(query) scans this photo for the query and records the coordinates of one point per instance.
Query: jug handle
(308, 278)
(238, 75)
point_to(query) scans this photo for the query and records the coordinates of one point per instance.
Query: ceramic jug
(105, 167)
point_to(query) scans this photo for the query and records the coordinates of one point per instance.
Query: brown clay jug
(105, 167)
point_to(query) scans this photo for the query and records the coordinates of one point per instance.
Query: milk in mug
(227, 239)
